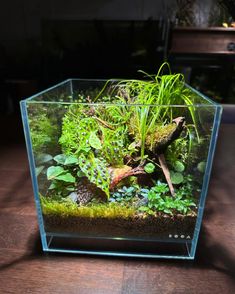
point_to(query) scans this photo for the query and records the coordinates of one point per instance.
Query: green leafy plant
(176, 174)
(159, 201)
(176, 177)
(62, 175)
(94, 143)
(43, 130)
(160, 90)
(149, 168)
(179, 166)
(96, 171)
(123, 195)
(98, 141)
(62, 181)
(66, 159)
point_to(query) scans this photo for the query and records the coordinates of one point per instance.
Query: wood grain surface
(202, 41)
(24, 268)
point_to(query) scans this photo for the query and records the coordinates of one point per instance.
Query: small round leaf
(176, 177)
(149, 168)
(179, 166)
(201, 166)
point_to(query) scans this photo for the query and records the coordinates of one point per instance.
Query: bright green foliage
(187, 188)
(62, 186)
(113, 147)
(96, 171)
(67, 208)
(160, 90)
(176, 177)
(76, 133)
(159, 135)
(54, 171)
(115, 115)
(66, 177)
(178, 151)
(91, 135)
(186, 148)
(167, 204)
(97, 138)
(94, 144)
(60, 174)
(66, 159)
(94, 141)
(179, 166)
(43, 132)
(149, 168)
(158, 201)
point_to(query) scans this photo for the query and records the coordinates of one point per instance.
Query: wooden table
(24, 268)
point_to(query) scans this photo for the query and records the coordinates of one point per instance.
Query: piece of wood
(162, 146)
(202, 40)
(139, 170)
(166, 173)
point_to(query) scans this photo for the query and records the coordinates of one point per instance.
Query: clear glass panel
(132, 177)
(56, 94)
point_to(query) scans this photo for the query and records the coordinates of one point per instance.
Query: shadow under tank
(121, 167)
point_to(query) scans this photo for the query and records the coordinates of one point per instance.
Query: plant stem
(103, 123)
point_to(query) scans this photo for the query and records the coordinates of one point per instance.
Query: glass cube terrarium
(121, 167)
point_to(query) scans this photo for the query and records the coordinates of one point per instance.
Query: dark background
(44, 42)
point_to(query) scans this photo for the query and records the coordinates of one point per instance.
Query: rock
(73, 196)
(88, 191)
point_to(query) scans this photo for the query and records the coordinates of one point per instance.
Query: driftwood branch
(139, 170)
(160, 149)
(172, 136)
(166, 172)
(159, 153)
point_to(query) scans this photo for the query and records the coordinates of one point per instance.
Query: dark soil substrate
(177, 227)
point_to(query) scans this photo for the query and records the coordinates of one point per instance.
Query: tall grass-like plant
(153, 100)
